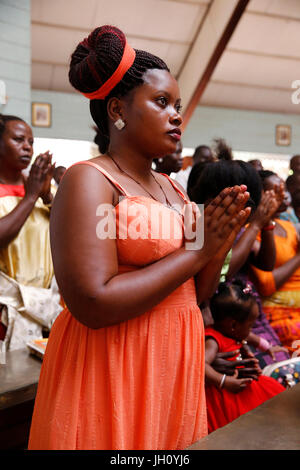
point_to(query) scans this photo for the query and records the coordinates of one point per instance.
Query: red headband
(124, 65)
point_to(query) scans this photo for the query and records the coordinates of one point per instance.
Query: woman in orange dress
(124, 366)
(280, 288)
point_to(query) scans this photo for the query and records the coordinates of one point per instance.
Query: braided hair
(4, 118)
(95, 60)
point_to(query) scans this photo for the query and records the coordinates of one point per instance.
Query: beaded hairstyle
(95, 60)
(232, 300)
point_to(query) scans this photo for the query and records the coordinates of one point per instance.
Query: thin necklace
(167, 203)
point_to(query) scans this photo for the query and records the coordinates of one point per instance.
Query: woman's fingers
(43, 164)
(243, 216)
(225, 217)
(245, 382)
(215, 203)
(191, 214)
(228, 202)
(231, 223)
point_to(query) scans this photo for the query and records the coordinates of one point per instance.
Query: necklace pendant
(173, 208)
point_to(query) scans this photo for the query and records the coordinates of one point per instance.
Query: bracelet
(263, 345)
(271, 226)
(222, 381)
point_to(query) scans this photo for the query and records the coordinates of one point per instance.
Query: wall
(249, 131)
(244, 130)
(70, 116)
(15, 56)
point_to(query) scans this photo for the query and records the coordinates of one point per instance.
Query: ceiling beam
(217, 28)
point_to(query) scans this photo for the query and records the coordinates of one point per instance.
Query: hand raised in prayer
(223, 219)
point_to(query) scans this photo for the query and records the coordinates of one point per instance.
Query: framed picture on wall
(41, 114)
(283, 135)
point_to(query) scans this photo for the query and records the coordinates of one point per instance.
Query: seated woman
(280, 288)
(27, 303)
(247, 249)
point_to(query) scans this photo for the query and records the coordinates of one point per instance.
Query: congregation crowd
(150, 345)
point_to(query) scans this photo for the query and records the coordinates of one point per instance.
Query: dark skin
(282, 273)
(247, 247)
(171, 163)
(261, 254)
(296, 203)
(86, 267)
(16, 150)
(204, 156)
(297, 211)
(295, 164)
(249, 364)
(293, 185)
(247, 367)
(238, 331)
(58, 173)
(256, 164)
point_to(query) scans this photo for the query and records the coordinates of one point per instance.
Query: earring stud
(119, 124)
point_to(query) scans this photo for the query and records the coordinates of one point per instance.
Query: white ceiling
(261, 61)
(153, 25)
(255, 72)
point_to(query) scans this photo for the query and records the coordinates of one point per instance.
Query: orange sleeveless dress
(137, 385)
(282, 305)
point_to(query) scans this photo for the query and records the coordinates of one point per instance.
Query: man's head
(202, 154)
(295, 164)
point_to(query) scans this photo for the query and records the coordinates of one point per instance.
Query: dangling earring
(119, 124)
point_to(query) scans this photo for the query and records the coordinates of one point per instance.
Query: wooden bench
(274, 425)
(18, 385)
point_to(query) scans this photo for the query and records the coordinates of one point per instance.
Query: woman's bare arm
(11, 224)
(262, 253)
(86, 267)
(212, 377)
(208, 279)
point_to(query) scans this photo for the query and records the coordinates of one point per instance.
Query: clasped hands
(246, 368)
(38, 182)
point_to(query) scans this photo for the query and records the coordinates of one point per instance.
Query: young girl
(234, 310)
